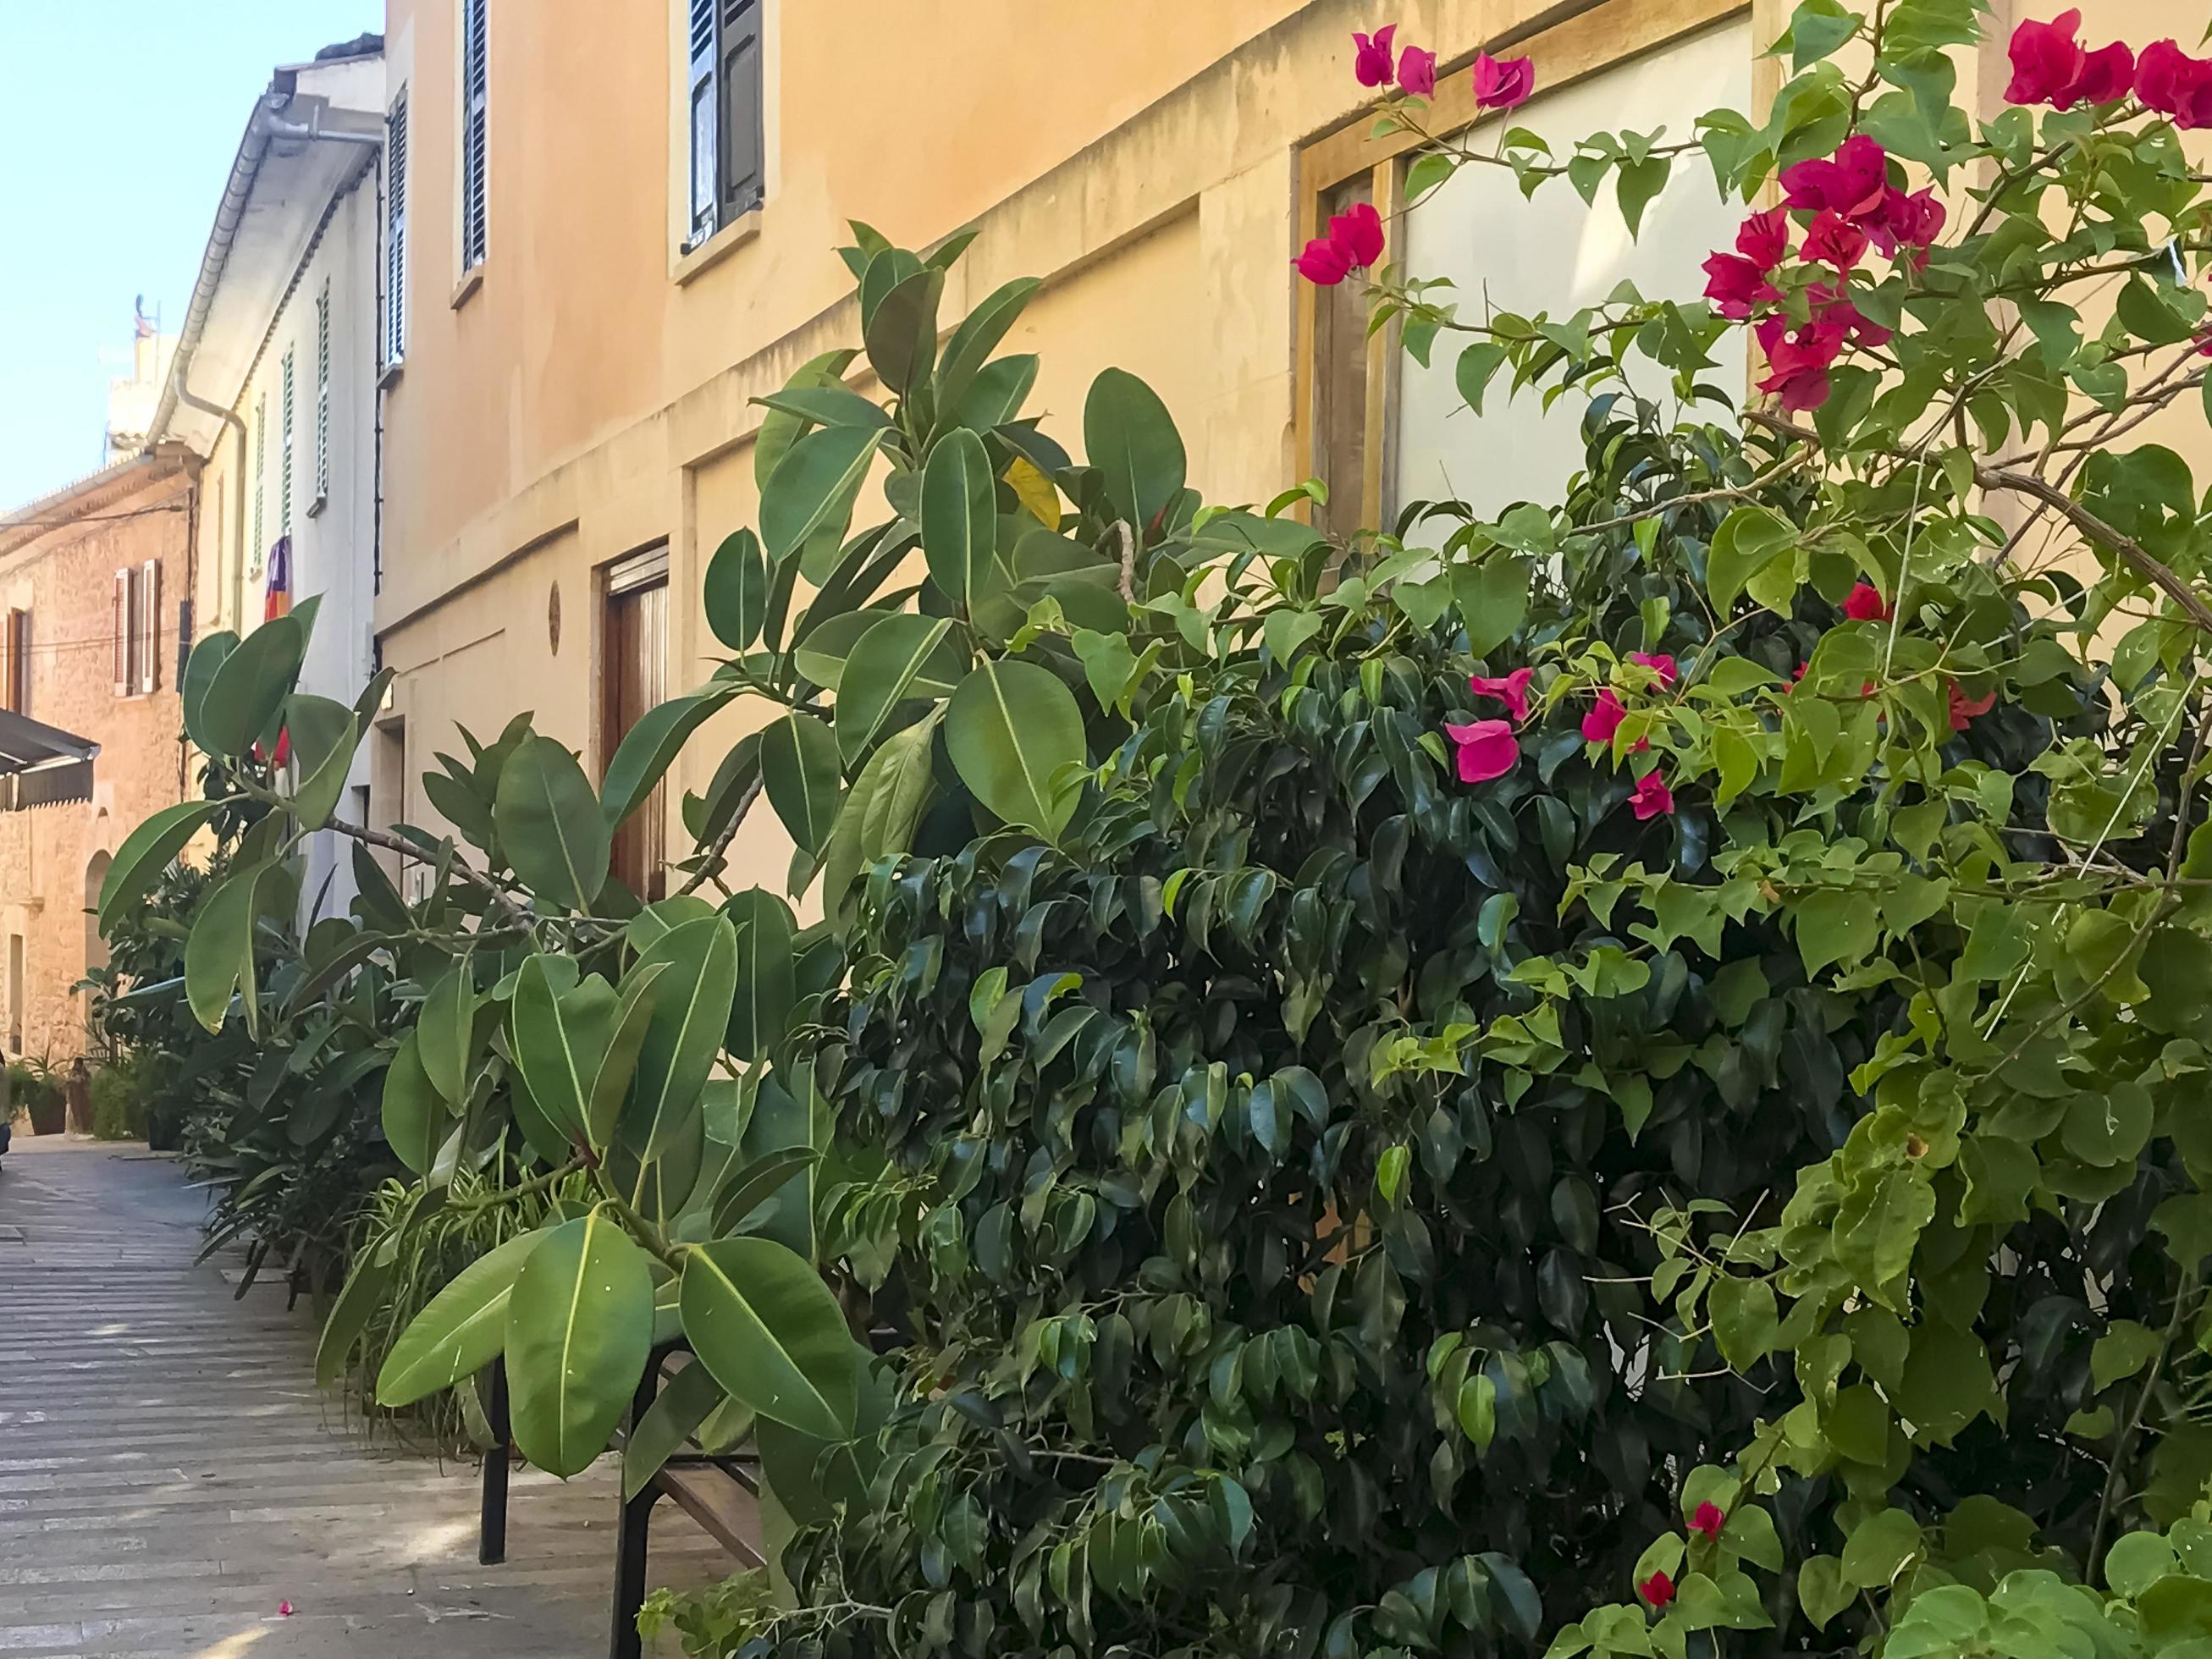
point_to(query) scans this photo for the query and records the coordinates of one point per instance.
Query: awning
(41, 764)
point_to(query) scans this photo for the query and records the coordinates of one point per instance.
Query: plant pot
(49, 1114)
(165, 1129)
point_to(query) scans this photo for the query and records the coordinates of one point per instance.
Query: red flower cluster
(1864, 602)
(1499, 83)
(1853, 207)
(1354, 242)
(1651, 798)
(1503, 83)
(2050, 65)
(1603, 721)
(1709, 1519)
(1658, 1589)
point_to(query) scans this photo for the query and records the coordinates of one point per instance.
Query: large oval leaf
(682, 1403)
(691, 1014)
(766, 988)
(736, 590)
(763, 1322)
(446, 1032)
(1010, 728)
(147, 852)
(901, 336)
(881, 809)
(249, 687)
(959, 516)
(780, 428)
(822, 655)
(649, 748)
(324, 734)
(350, 1315)
(462, 1330)
(550, 823)
(201, 663)
(814, 488)
(799, 765)
(1130, 439)
(219, 954)
(826, 405)
(558, 1038)
(900, 657)
(977, 336)
(414, 1114)
(579, 1332)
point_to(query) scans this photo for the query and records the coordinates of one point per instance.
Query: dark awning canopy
(41, 764)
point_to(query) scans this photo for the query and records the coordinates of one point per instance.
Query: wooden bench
(723, 1494)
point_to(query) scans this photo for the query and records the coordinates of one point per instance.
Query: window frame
(473, 86)
(285, 452)
(1606, 36)
(322, 493)
(259, 550)
(705, 26)
(392, 342)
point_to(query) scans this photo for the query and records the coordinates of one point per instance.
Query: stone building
(91, 581)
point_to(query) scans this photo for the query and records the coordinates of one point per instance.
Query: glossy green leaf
(1130, 437)
(977, 336)
(462, 1330)
(758, 1182)
(219, 956)
(765, 988)
(414, 1116)
(902, 657)
(683, 1402)
(763, 1322)
(446, 1030)
(882, 809)
(736, 595)
(559, 1039)
(356, 1305)
(146, 854)
(201, 664)
(689, 1018)
(800, 769)
(780, 428)
(579, 1330)
(550, 825)
(959, 516)
(1011, 729)
(813, 490)
(902, 334)
(618, 1062)
(324, 736)
(649, 748)
(249, 686)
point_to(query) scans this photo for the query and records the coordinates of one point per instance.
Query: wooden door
(636, 678)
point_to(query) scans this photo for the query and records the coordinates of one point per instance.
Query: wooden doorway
(634, 679)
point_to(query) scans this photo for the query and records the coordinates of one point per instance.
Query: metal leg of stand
(491, 1523)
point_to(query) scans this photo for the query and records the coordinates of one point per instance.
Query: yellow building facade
(586, 310)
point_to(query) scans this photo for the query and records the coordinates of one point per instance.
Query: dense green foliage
(1620, 1078)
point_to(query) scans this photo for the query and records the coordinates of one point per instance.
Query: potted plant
(36, 1090)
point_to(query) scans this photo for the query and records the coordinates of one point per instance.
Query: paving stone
(170, 1474)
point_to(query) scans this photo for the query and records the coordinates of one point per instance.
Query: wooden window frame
(1606, 36)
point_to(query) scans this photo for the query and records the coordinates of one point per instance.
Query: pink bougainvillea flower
(1322, 263)
(1417, 70)
(1658, 1589)
(1511, 690)
(1906, 221)
(1735, 284)
(1764, 238)
(1709, 1519)
(1660, 663)
(1798, 366)
(1487, 749)
(1604, 720)
(2106, 75)
(284, 1609)
(2046, 58)
(1966, 709)
(1854, 181)
(1503, 83)
(1832, 240)
(1370, 60)
(1358, 232)
(1835, 315)
(1864, 602)
(2170, 81)
(1652, 798)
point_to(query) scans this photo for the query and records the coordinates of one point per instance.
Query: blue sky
(118, 120)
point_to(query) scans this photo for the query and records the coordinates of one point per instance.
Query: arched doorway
(95, 946)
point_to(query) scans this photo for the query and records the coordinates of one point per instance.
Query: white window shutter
(121, 637)
(150, 630)
(475, 84)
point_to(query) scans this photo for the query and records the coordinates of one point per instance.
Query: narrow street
(169, 1474)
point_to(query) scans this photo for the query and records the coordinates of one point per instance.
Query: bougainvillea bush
(1628, 1077)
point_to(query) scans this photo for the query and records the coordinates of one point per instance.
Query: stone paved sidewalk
(170, 1474)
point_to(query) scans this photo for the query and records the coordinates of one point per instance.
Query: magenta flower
(1798, 365)
(1964, 710)
(1652, 797)
(1503, 83)
(1736, 285)
(1358, 232)
(1709, 1519)
(1864, 602)
(1512, 690)
(2046, 59)
(2106, 75)
(1912, 222)
(1322, 263)
(1602, 721)
(2170, 81)
(1658, 1589)
(1487, 749)
(1662, 665)
(1417, 70)
(1370, 60)
(1832, 240)
(1853, 181)
(1764, 238)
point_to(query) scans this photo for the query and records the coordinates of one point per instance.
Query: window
(473, 87)
(284, 457)
(726, 146)
(636, 644)
(394, 341)
(260, 478)
(322, 398)
(137, 629)
(17, 676)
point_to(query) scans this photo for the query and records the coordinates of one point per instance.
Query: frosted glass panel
(1555, 254)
